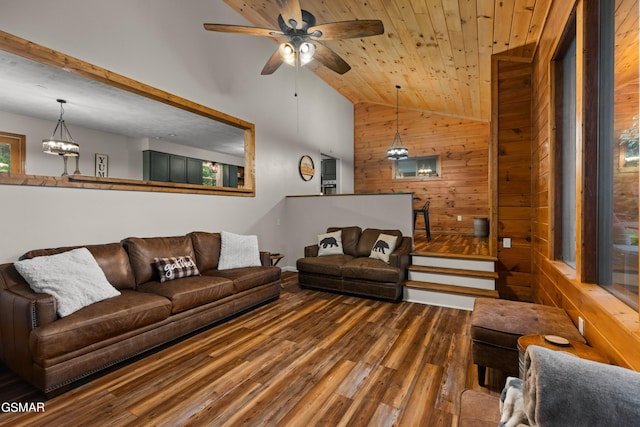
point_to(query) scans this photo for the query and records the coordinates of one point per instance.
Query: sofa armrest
(400, 257)
(265, 258)
(42, 307)
(21, 312)
(311, 251)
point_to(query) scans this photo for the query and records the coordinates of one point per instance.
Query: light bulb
(288, 53)
(306, 53)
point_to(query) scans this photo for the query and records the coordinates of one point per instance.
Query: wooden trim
(555, 136)
(581, 207)
(324, 196)
(611, 326)
(555, 159)
(18, 145)
(86, 181)
(452, 289)
(493, 160)
(44, 55)
(588, 80)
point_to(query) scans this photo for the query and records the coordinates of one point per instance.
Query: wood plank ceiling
(438, 51)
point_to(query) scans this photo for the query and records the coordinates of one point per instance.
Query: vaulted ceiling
(438, 51)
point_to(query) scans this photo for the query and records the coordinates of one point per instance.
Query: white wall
(162, 43)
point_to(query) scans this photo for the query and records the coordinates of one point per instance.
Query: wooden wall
(610, 325)
(511, 131)
(461, 189)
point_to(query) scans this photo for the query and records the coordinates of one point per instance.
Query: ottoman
(478, 409)
(496, 325)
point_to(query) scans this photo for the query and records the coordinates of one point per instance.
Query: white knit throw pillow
(73, 278)
(238, 251)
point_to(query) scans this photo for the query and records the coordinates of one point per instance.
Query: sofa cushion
(371, 269)
(330, 243)
(190, 292)
(248, 277)
(105, 319)
(111, 257)
(330, 265)
(369, 238)
(73, 278)
(142, 252)
(207, 249)
(350, 237)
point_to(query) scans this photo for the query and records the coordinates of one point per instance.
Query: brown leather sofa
(51, 352)
(353, 272)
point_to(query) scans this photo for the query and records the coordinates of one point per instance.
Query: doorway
(330, 179)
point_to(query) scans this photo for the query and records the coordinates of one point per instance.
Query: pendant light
(397, 151)
(64, 145)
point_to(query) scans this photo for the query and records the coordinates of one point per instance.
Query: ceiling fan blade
(241, 29)
(330, 59)
(290, 9)
(348, 29)
(273, 63)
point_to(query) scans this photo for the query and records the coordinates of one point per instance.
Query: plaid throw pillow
(175, 268)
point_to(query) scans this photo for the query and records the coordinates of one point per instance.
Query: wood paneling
(512, 133)
(461, 188)
(610, 325)
(440, 49)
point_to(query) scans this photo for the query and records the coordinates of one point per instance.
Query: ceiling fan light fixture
(397, 150)
(297, 52)
(299, 27)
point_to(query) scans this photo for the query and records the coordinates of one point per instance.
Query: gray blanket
(563, 390)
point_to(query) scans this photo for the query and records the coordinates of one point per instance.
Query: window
(418, 167)
(618, 150)
(565, 141)
(12, 152)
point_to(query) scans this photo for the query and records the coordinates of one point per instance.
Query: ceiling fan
(301, 39)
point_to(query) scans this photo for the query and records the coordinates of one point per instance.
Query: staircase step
(455, 256)
(452, 289)
(492, 275)
(477, 263)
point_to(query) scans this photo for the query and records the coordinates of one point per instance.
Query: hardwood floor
(451, 244)
(309, 358)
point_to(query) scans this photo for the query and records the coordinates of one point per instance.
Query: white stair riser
(440, 299)
(461, 264)
(449, 279)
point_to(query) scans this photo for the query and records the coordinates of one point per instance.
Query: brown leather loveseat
(51, 352)
(353, 271)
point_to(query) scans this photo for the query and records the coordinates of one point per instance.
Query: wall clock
(306, 168)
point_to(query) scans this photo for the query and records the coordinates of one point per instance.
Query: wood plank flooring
(451, 244)
(308, 359)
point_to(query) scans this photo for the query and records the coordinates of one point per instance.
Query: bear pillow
(385, 244)
(330, 243)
